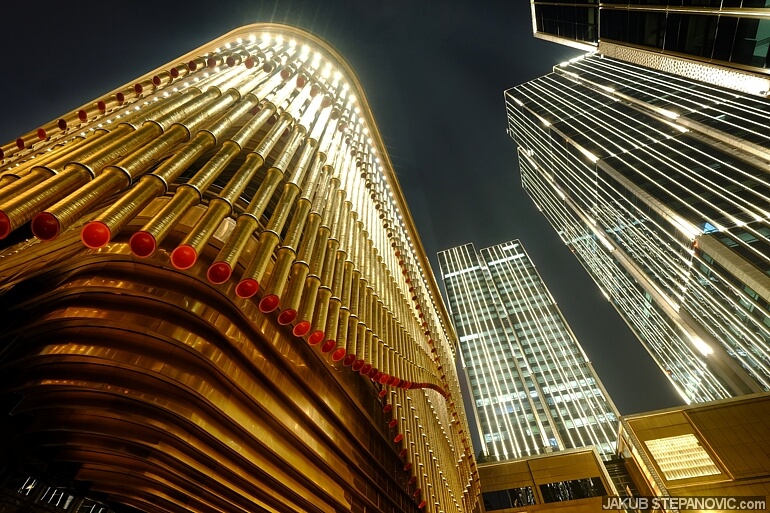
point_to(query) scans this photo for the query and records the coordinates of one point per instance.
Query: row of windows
(723, 38)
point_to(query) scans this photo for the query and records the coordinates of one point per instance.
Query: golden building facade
(713, 449)
(216, 300)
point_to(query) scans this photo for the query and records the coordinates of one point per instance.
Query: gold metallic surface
(255, 153)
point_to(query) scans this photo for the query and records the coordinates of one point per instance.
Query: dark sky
(434, 73)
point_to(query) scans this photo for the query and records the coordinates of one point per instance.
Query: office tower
(214, 298)
(534, 389)
(658, 184)
(723, 43)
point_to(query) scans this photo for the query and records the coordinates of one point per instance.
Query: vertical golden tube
(285, 257)
(247, 223)
(310, 305)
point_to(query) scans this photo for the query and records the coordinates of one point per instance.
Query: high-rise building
(658, 184)
(214, 299)
(719, 42)
(534, 389)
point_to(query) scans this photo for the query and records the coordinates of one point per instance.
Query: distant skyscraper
(658, 184)
(720, 42)
(533, 387)
(214, 299)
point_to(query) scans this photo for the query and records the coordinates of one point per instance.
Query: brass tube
(299, 272)
(22, 208)
(189, 194)
(307, 246)
(186, 196)
(143, 244)
(100, 231)
(270, 238)
(351, 341)
(335, 303)
(186, 253)
(13, 185)
(47, 225)
(268, 241)
(89, 156)
(222, 267)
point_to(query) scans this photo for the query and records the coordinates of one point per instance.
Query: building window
(572, 490)
(511, 498)
(681, 457)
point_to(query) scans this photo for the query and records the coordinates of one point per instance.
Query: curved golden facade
(217, 300)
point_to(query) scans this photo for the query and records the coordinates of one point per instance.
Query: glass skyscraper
(658, 184)
(534, 389)
(723, 42)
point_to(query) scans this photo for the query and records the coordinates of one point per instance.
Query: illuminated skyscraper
(722, 42)
(658, 183)
(533, 387)
(222, 304)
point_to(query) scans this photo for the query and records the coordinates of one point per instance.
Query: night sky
(433, 72)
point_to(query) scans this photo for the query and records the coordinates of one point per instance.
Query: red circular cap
(41, 133)
(142, 244)
(285, 73)
(192, 65)
(230, 61)
(95, 234)
(211, 62)
(383, 392)
(272, 119)
(20, 143)
(174, 73)
(247, 288)
(374, 373)
(339, 354)
(301, 329)
(249, 63)
(417, 492)
(219, 272)
(408, 467)
(384, 378)
(412, 479)
(422, 504)
(398, 438)
(269, 303)
(102, 106)
(328, 346)
(287, 316)
(365, 368)
(315, 338)
(156, 80)
(62, 124)
(138, 88)
(403, 453)
(349, 360)
(120, 97)
(5, 225)
(393, 423)
(326, 102)
(45, 226)
(82, 115)
(183, 257)
(301, 81)
(357, 365)
(387, 408)
(315, 89)
(394, 381)
(268, 67)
